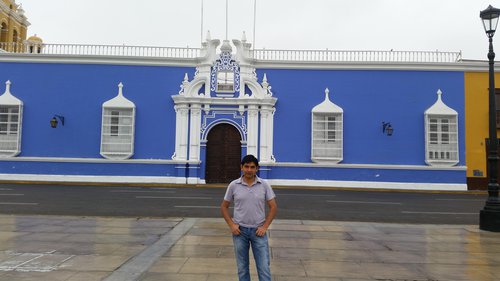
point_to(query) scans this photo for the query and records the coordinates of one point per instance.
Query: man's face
(249, 169)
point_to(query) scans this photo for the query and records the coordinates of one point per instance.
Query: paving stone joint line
(135, 267)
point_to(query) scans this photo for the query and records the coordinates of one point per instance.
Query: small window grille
(327, 137)
(115, 121)
(117, 133)
(442, 140)
(445, 136)
(225, 81)
(10, 134)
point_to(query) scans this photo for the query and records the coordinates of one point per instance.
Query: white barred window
(327, 137)
(11, 110)
(225, 81)
(441, 134)
(117, 133)
(442, 146)
(327, 132)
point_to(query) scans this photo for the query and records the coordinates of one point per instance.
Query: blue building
(178, 115)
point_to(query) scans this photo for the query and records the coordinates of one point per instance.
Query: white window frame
(225, 81)
(327, 137)
(117, 132)
(441, 140)
(10, 130)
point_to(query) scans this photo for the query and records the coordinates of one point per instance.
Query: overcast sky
(422, 25)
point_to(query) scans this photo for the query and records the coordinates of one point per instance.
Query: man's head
(250, 159)
(249, 166)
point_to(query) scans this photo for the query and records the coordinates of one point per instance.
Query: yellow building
(13, 22)
(476, 126)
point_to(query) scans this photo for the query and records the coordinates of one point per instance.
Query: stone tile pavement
(95, 248)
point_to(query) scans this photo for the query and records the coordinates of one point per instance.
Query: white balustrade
(355, 56)
(102, 50)
(259, 55)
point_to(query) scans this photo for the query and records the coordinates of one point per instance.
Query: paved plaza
(103, 248)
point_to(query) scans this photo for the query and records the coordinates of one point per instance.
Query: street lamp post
(489, 218)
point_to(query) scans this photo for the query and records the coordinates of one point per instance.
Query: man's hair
(250, 159)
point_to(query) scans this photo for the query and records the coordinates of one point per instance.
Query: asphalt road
(342, 205)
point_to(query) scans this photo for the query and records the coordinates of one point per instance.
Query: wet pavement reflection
(95, 248)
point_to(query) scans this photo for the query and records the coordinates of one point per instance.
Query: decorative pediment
(7, 98)
(439, 107)
(225, 75)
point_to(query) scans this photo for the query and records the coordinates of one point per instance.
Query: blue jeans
(260, 250)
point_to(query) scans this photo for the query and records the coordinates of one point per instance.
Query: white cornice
(476, 66)
(114, 60)
(223, 101)
(467, 66)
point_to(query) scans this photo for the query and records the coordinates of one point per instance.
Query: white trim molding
(364, 166)
(368, 184)
(95, 160)
(92, 179)
(461, 66)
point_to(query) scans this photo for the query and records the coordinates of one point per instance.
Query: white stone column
(266, 133)
(253, 129)
(181, 133)
(263, 147)
(270, 139)
(194, 132)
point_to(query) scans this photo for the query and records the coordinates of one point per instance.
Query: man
(250, 223)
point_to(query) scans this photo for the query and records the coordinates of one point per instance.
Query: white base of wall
(182, 180)
(195, 181)
(367, 184)
(91, 179)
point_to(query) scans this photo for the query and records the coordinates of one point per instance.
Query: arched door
(223, 154)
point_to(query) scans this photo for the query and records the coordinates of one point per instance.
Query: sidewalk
(89, 248)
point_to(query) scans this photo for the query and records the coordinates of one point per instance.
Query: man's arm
(273, 209)
(224, 209)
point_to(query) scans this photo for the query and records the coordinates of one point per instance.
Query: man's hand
(273, 208)
(224, 208)
(261, 231)
(235, 229)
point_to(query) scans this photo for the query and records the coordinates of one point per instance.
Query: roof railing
(356, 56)
(101, 50)
(258, 54)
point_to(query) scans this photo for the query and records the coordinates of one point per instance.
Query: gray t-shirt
(249, 201)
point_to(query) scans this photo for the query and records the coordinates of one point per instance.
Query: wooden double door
(223, 154)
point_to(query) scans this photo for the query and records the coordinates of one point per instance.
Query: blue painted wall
(367, 174)
(368, 98)
(96, 169)
(77, 91)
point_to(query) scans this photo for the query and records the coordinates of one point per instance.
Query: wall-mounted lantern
(387, 128)
(54, 122)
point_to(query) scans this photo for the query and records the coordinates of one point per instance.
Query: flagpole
(226, 16)
(201, 32)
(254, 20)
